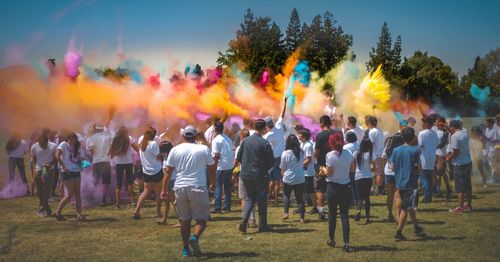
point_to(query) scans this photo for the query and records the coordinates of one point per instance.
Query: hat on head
(189, 131)
(269, 121)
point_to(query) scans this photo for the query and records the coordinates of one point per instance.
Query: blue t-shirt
(405, 159)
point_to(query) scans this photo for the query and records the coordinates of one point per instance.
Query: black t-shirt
(322, 145)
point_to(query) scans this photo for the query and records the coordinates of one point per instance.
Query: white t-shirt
(341, 166)
(174, 173)
(150, 164)
(128, 157)
(360, 133)
(440, 151)
(20, 151)
(72, 164)
(308, 149)
(190, 161)
(387, 169)
(223, 146)
(293, 168)
(377, 138)
(352, 147)
(427, 142)
(276, 137)
(101, 142)
(363, 171)
(491, 134)
(210, 134)
(43, 156)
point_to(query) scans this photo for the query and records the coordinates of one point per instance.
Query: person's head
(367, 120)
(476, 131)
(364, 147)
(350, 137)
(43, 140)
(219, 128)
(408, 134)
(260, 126)
(13, 142)
(248, 123)
(440, 122)
(120, 143)
(189, 133)
(165, 147)
(269, 122)
(428, 122)
(351, 122)
(325, 121)
(336, 141)
(372, 122)
(244, 133)
(304, 135)
(292, 143)
(489, 122)
(298, 127)
(72, 140)
(212, 120)
(455, 125)
(412, 121)
(149, 135)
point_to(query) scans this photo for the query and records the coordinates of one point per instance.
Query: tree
(258, 45)
(293, 37)
(386, 55)
(427, 77)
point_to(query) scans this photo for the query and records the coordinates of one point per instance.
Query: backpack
(444, 140)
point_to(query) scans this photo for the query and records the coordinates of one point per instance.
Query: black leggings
(298, 190)
(129, 175)
(338, 194)
(364, 186)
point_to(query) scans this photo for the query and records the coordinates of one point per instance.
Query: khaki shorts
(379, 167)
(192, 203)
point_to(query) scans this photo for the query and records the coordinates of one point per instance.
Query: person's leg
(47, 190)
(144, 195)
(78, 198)
(367, 203)
(250, 200)
(344, 202)
(39, 188)
(332, 210)
(298, 190)
(157, 189)
(402, 219)
(129, 178)
(185, 229)
(261, 190)
(119, 182)
(390, 199)
(354, 189)
(287, 191)
(426, 184)
(106, 180)
(22, 170)
(480, 167)
(227, 175)
(218, 190)
(70, 192)
(12, 168)
(199, 227)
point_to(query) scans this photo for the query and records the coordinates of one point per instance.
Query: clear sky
(172, 33)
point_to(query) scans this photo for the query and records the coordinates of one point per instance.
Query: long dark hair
(292, 143)
(121, 142)
(364, 147)
(13, 143)
(149, 135)
(165, 148)
(76, 147)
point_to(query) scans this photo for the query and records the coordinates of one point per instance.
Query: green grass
(112, 235)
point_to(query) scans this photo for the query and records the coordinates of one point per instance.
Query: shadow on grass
(430, 238)
(292, 230)
(375, 248)
(100, 219)
(9, 243)
(486, 210)
(433, 210)
(485, 192)
(212, 255)
(427, 222)
(224, 218)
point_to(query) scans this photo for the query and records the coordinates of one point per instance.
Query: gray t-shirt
(460, 140)
(293, 168)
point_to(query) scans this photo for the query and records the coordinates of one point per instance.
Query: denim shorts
(462, 174)
(275, 172)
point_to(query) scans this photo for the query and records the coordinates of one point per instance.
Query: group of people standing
(342, 166)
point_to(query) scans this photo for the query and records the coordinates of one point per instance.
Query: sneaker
(252, 224)
(224, 211)
(357, 217)
(313, 211)
(419, 231)
(48, 211)
(265, 229)
(368, 221)
(322, 217)
(399, 237)
(296, 211)
(42, 213)
(467, 208)
(60, 217)
(117, 207)
(457, 210)
(185, 252)
(242, 228)
(132, 204)
(284, 217)
(215, 211)
(195, 245)
(347, 248)
(391, 217)
(330, 243)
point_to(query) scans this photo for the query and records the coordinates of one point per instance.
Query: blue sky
(172, 33)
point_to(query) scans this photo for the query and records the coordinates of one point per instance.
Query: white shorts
(192, 203)
(242, 192)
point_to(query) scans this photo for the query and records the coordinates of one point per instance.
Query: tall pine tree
(293, 37)
(386, 55)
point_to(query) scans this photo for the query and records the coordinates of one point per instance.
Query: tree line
(260, 45)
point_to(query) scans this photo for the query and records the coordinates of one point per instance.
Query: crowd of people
(341, 166)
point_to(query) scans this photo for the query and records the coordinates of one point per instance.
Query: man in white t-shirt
(352, 126)
(492, 137)
(307, 147)
(376, 136)
(443, 137)
(44, 161)
(191, 162)
(427, 143)
(276, 137)
(222, 151)
(98, 145)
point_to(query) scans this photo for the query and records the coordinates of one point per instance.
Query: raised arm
(283, 110)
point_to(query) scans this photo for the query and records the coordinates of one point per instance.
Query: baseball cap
(189, 131)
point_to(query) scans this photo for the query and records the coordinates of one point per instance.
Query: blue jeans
(426, 180)
(223, 179)
(256, 193)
